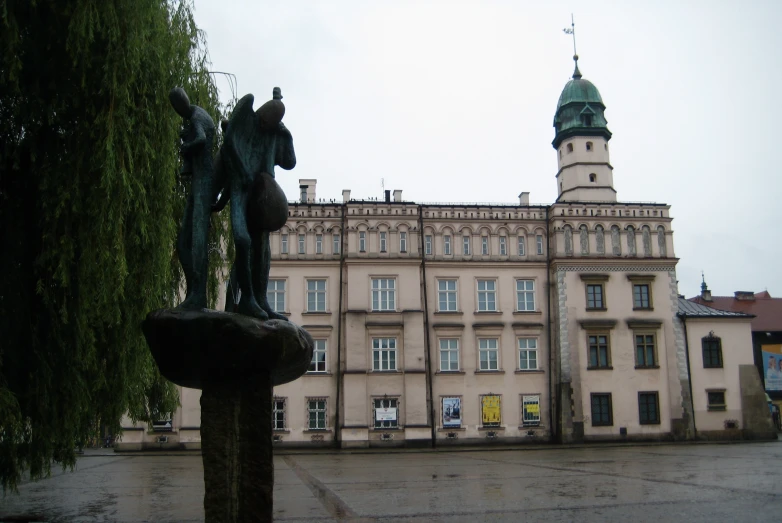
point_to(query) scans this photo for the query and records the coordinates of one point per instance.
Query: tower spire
(572, 31)
(704, 287)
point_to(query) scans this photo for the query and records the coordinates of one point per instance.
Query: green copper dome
(580, 111)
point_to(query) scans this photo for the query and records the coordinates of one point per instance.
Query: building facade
(453, 323)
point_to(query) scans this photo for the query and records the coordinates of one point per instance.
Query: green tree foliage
(90, 202)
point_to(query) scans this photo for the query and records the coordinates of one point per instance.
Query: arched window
(584, 233)
(570, 147)
(631, 240)
(589, 146)
(615, 243)
(600, 239)
(592, 177)
(661, 241)
(560, 153)
(646, 233)
(568, 240)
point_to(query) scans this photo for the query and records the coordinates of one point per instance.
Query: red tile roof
(767, 310)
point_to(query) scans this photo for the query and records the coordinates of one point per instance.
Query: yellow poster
(490, 410)
(532, 408)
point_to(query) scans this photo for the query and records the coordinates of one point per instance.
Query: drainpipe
(427, 355)
(551, 354)
(689, 375)
(340, 320)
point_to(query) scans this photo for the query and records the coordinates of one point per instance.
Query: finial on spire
(572, 31)
(704, 287)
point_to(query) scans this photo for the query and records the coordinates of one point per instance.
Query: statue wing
(241, 139)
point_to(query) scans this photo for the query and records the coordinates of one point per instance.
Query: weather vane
(572, 31)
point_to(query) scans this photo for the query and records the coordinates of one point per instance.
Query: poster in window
(452, 412)
(772, 366)
(490, 410)
(385, 414)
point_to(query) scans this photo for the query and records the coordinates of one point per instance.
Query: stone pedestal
(235, 360)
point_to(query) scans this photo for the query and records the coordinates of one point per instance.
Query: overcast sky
(454, 101)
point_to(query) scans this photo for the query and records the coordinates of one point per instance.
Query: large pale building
(466, 322)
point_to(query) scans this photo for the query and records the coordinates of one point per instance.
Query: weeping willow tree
(90, 202)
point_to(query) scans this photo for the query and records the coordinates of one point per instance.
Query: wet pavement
(728, 482)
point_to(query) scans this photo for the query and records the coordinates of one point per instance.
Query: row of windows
(645, 345)
(301, 244)
(596, 296)
(587, 121)
(383, 295)
(602, 409)
(616, 244)
(521, 245)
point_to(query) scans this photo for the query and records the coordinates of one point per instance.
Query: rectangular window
(641, 297)
(525, 295)
(601, 410)
(318, 363)
(428, 245)
(530, 410)
(491, 411)
(318, 244)
(487, 295)
(466, 245)
(595, 296)
(712, 352)
(648, 408)
(383, 353)
(539, 243)
(316, 295)
(301, 244)
(484, 245)
(489, 354)
(386, 413)
(278, 413)
(316, 408)
(599, 355)
(284, 243)
(528, 353)
(503, 246)
(383, 294)
(446, 244)
(275, 295)
(716, 399)
(402, 241)
(362, 241)
(335, 243)
(522, 246)
(383, 241)
(644, 350)
(446, 295)
(449, 354)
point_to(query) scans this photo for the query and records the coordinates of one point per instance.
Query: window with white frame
(503, 246)
(383, 294)
(335, 243)
(539, 243)
(466, 244)
(487, 295)
(362, 241)
(318, 244)
(283, 243)
(530, 410)
(488, 354)
(301, 244)
(528, 353)
(449, 354)
(316, 409)
(316, 295)
(383, 241)
(275, 295)
(402, 241)
(428, 244)
(318, 363)
(484, 245)
(525, 295)
(278, 413)
(383, 354)
(446, 295)
(522, 246)
(386, 413)
(446, 244)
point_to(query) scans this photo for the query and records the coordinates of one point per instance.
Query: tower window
(589, 146)
(592, 177)
(605, 146)
(587, 119)
(570, 147)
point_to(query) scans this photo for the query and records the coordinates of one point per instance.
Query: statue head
(277, 93)
(180, 102)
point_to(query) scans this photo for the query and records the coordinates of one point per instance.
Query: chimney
(398, 195)
(388, 195)
(524, 198)
(307, 189)
(744, 295)
(345, 195)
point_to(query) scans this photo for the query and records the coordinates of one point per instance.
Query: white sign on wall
(385, 414)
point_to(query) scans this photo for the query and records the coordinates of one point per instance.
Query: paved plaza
(726, 482)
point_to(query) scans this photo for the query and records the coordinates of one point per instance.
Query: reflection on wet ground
(735, 482)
